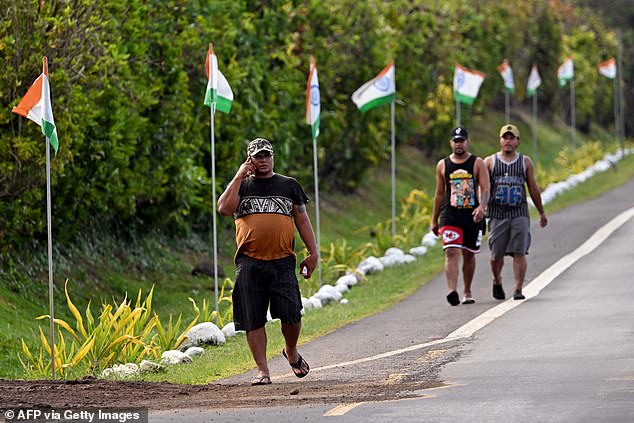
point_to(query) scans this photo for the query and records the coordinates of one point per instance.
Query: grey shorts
(261, 284)
(508, 237)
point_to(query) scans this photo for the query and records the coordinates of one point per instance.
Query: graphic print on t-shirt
(462, 189)
(253, 205)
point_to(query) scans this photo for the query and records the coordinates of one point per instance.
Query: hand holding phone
(249, 167)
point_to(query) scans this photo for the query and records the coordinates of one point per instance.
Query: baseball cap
(510, 128)
(459, 132)
(257, 145)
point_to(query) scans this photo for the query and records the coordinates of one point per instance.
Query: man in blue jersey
(509, 223)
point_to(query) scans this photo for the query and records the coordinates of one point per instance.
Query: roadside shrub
(120, 334)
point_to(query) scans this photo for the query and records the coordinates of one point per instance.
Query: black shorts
(260, 283)
(468, 237)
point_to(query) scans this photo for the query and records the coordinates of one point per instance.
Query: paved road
(564, 355)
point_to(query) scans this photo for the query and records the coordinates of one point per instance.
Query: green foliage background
(128, 83)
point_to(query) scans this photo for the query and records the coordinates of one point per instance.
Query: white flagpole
(535, 125)
(616, 109)
(316, 171)
(457, 112)
(212, 110)
(393, 175)
(50, 255)
(507, 106)
(619, 76)
(573, 114)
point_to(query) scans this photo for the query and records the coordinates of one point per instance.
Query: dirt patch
(96, 393)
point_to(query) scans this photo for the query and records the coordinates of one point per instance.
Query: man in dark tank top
(509, 222)
(462, 194)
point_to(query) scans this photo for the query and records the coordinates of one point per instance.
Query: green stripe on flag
(463, 98)
(223, 104)
(48, 129)
(315, 127)
(209, 97)
(378, 102)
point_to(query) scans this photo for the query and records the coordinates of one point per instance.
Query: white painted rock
(175, 357)
(328, 293)
(418, 251)
(393, 252)
(349, 280)
(150, 367)
(370, 265)
(230, 330)
(121, 370)
(203, 333)
(429, 240)
(313, 302)
(194, 351)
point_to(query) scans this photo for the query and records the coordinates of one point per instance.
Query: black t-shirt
(264, 216)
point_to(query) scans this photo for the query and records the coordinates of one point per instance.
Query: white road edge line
(532, 290)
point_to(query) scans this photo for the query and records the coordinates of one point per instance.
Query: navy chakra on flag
(382, 84)
(314, 95)
(460, 79)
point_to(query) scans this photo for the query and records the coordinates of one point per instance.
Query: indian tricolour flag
(218, 89)
(566, 71)
(466, 84)
(608, 68)
(507, 76)
(36, 105)
(534, 81)
(313, 102)
(378, 91)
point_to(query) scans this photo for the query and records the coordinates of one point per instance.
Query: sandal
(261, 380)
(297, 367)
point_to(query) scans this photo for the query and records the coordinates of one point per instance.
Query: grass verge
(379, 292)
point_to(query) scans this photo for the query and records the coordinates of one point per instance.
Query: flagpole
(535, 125)
(50, 256)
(212, 111)
(619, 75)
(393, 174)
(573, 113)
(457, 112)
(507, 107)
(616, 110)
(317, 222)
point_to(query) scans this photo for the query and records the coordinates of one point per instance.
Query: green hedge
(128, 83)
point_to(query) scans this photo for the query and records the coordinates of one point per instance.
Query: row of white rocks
(208, 333)
(557, 188)
(392, 257)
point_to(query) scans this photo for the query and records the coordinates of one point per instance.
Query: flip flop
(261, 380)
(298, 365)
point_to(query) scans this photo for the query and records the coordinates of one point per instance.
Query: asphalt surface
(564, 355)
